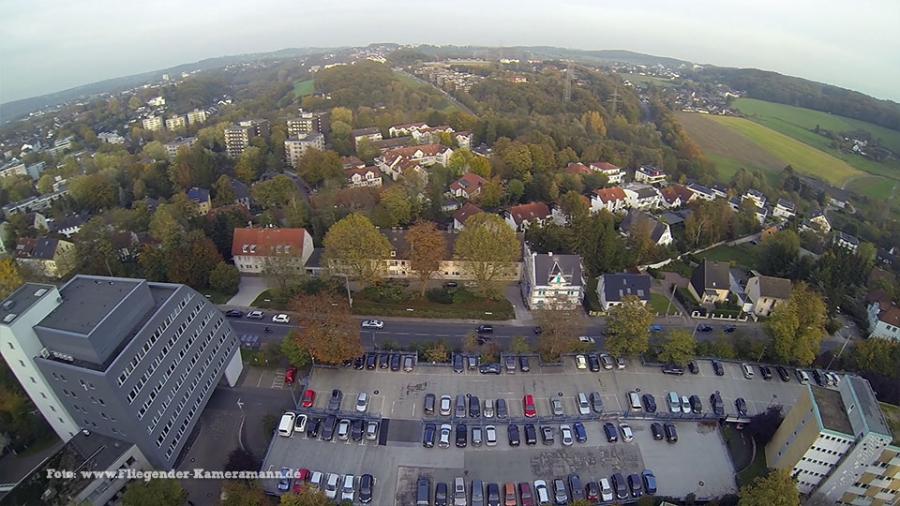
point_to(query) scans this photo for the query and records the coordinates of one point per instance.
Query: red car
(290, 375)
(309, 398)
(530, 412)
(300, 480)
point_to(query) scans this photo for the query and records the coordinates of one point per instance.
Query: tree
(560, 327)
(775, 489)
(519, 345)
(45, 184)
(470, 343)
(797, 326)
(291, 349)
(158, 492)
(437, 352)
(763, 425)
(395, 207)
(224, 192)
(331, 334)
(680, 347)
(243, 493)
(225, 279)
(95, 192)
(249, 164)
(281, 271)
(316, 166)
(491, 193)
(353, 245)
(10, 279)
(241, 460)
(780, 252)
(481, 166)
(628, 326)
(427, 249)
(276, 192)
(192, 261)
(490, 247)
(342, 114)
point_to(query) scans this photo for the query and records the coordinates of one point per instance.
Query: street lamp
(846, 340)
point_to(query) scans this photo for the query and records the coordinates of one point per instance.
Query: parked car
(334, 403)
(671, 432)
(444, 438)
(477, 493)
(441, 494)
(530, 434)
(672, 369)
(384, 360)
(371, 362)
(528, 403)
(593, 362)
(560, 494)
(524, 365)
(408, 363)
(488, 408)
(783, 374)
(765, 372)
(290, 375)
(493, 494)
(636, 484)
(649, 481)
(718, 368)
(489, 369)
(730, 328)
(510, 362)
(576, 488)
(586, 339)
(715, 400)
(423, 491)
(747, 370)
(692, 366)
(547, 435)
(300, 480)
(580, 362)
(343, 429)
(300, 423)
(459, 491)
(584, 408)
(696, 405)
(741, 406)
(596, 402)
(657, 431)
(474, 407)
(395, 362)
(500, 407)
(704, 328)
(313, 427)
(607, 361)
(460, 410)
(512, 433)
(509, 494)
(372, 430)
(234, 313)
(580, 432)
(542, 492)
(331, 486)
(656, 328)
(372, 324)
(348, 490)
(606, 491)
(490, 435)
(525, 494)
(627, 434)
(429, 404)
(477, 436)
(446, 405)
(592, 492)
(649, 403)
(428, 435)
(620, 362)
(458, 365)
(462, 435)
(612, 435)
(620, 486)
(556, 407)
(362, 402)
(685, 405)
(366, 488)
(284, 483)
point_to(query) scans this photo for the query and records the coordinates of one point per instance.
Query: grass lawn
(658, 81)
(659, 303)
(877, 187)
(216, 297)
(892, 413)
(457, 304)
(304, 88)
(742, 254)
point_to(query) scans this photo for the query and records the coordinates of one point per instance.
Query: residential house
(719, 191)
(399, 161)
(577, 169)
(884, 316)
(520, 217)
(14, 167)
(711, 282)
(819, 222)
(176, 122)
(370, 133)
(766, 293)
(34, 203)
(649, 175)
(296, 146)
(111, 138)
(406, 129)
(393, 142)
(612, 199)
(784, 209)
(758, 198)
(613, 288)
(397, 266)
(200, 196)
(614, 175)
(258, 250)
(463, 214)
(173, 147)
(352, 162)
(67, 225)
(660, 233)
(51, 258)
(701, 191)
(468, 186)
(241, 191)
(846, 241)
(363, 177)
(552, 281)
(464, 139)
(431, 134)
(642, 196)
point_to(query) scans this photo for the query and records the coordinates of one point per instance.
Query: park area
(394, 299)
(304, 88)
(743, 255)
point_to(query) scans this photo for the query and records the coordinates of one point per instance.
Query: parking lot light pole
(846, 340)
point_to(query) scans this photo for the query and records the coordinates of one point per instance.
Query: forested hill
(775, 87)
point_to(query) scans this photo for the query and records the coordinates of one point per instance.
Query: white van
(635, 400)
(286, 426)
(459, 492)
(674, 402)
(583, 406)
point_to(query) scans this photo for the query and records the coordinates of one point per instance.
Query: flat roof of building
(23, 298)
(868, 406)
(86, 302)
(832, 410)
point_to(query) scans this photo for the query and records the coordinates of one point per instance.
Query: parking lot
(398, 398)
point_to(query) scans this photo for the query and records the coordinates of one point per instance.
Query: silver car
(476, 436)
(444, 441)
(446, 405)
(566, 435)
(556, 407)
(490, 435)
(362, 402)
(343, 431)
(488, 408)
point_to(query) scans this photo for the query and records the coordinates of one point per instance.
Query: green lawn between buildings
(744, 255)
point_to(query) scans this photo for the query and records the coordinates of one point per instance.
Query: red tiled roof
(267, 241)
(362, 171)
(466, 211)
(604, 166)
(890, 316)
(531, 211)
(669, 194)
(408, 126)
(610, 194)
(577, 168)
(469, 182)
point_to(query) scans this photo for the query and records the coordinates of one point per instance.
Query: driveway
(248, 290)
(513, 294)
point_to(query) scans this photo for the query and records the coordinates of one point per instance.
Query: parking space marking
(278, 380)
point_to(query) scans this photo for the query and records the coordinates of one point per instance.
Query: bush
(440, 296)
(462, 296)
(225, 279)
(388, 292)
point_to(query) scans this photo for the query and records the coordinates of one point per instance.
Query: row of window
(150, 342)
(819, 462)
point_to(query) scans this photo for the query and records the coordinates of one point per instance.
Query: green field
(304, 88)
(658, 81)
(743, 255)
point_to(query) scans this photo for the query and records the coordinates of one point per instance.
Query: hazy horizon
(86, 42)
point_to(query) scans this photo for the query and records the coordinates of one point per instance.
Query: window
(32, 379)
(43, 395)
(21, 363)
(11, 346)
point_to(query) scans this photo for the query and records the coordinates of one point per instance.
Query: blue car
(656, 328)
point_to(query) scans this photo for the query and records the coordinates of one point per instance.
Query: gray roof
(848, 238)
(617, 286)
(868, 405)
(832, 410)
(671, 218)
(645, 192)
(199, 195)
(241, 191)
(657, 229)
(87, 300)
(397, 238)
(73, 220)
(548, 266)
(42, 248)
(20, 300)
(778, 288)
(711, 276)
(365, 131)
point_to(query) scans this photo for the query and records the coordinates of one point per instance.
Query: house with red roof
(468, 186)
(463, 214)
(612, 199)
(884, 316)
(360, 177)
(577, 168)
(614, 175)
(394, 162)
(522, 216)
(255, 250)
(406, 129)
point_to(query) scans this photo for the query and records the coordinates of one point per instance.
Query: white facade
(820, 459)
(153, 123)
(294, 147)
(196, 116)
(19, 345)
(649, 175)
(176, 122)
(642, 198)
(878, 327)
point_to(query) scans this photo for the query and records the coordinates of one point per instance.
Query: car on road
(580, 362)
(489, 369)
(649, 481)
(362, 402)
(395, 362)
(556, 407)
(444, 438)
(372, 430)
(542, 492)
(715, 400)
(620, 485)
(372, 324)
(512, 433)
(593, 362)
(530, 434)
(502, 412)
(538, 330)
(485, 329)
(281, 318)
(672, 369)
(607, 361)
(612, 435)
(234, 313)
(284, 483)
(704, 328)
(524, 365)
(458, 366)
(657, 431)
(671, 433)
(547, 435)
(783, 374)
(596, 402)
(730, 328)
(627, 434)
(587, 339)
(565, 435)
(580, 432)
(718, 368)
(290, 375)
(528, 404)
(490, 435)
(343, 429)
(741, 406)
(560, 494)
(765, 372)
(256, 315)
(462, 435)
(366, 488)
(696, 405)
(446, 405)
(636, 484)
(300, 423)
(649, 403)
(334, 403)
(428, 435)
(692, 366)
(408, 363)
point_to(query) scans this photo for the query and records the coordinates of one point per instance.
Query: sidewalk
(248, 290)
(514, 296)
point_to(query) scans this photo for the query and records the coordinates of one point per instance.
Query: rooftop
(22, 299)
(87, 300)
(832, 410)
(868, 405)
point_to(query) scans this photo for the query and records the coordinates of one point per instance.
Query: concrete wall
(794, 436)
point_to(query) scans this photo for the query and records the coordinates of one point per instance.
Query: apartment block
(196, 116)
(176, 122)
(305, 123)
(153, 123)
(295, 146)
(237, 138)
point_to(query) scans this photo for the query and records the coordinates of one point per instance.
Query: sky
(52, 45)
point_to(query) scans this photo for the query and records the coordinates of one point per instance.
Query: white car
(343, 430)
(372, 324)
(685, 405)
(586, 339)
(606, 491)
(490, 435)
(446, 405)
(300, 423)
(580, 362)
(541, 493)
(488, 408)
(347, 490)
(566, 435)
(315, 480)
(444, 441)
(620, 363)
(362, 402)
(331, 486)
(281, 318)
(255, 315)
(627, 435)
